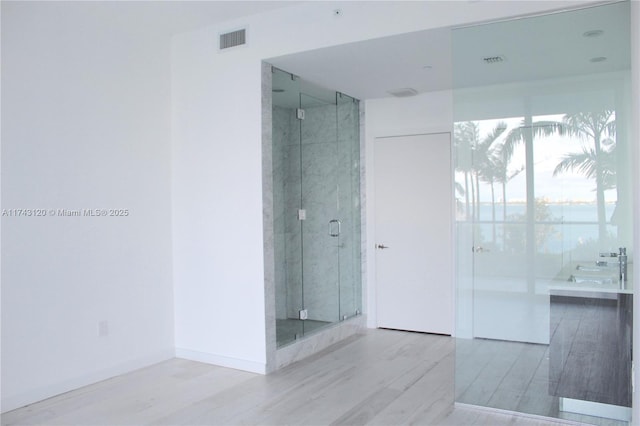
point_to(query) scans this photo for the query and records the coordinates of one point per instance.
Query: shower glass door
(286, 154)
(322, 227)
(348, 205)
(316, 180)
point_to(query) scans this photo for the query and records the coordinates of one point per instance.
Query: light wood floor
(383, 377)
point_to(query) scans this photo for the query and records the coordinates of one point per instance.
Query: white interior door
(413, 211)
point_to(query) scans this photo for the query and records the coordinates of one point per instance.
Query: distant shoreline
(556, 203)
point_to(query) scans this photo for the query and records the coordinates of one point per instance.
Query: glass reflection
(543, 206)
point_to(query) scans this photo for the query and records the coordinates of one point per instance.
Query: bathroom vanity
(591, 337)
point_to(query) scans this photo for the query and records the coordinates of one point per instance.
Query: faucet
(622, 262)
(605, 254)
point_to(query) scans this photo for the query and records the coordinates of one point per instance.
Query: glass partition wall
(316, 199)
(544, 223)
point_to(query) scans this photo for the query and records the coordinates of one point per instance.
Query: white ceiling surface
(535, 48)
(549, 46)
(370, 68)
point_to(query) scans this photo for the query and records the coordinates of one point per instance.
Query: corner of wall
(267, 213)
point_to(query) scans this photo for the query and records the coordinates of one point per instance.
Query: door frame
(370, 290)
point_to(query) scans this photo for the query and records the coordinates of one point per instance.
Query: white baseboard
(595, 409)
(222, 361)
(11, 402)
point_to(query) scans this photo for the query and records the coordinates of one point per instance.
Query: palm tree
(459, 190)
(503, 176)
(596, 163)
(476, 159)
(465, 135)
(486, 165)
(586, 161)
(517, 136)
(520, 134)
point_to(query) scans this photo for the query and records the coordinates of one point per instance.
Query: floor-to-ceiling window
(544, 222)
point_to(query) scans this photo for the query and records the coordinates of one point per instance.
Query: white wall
(86, 116)
(217, 189)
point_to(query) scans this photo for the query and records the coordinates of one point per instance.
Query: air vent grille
(493, 59)
(403, 93)
(233, 39)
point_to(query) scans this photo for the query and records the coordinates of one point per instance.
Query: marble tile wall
(360, 289)
(319, 341)
(267, 216)
(316, 166)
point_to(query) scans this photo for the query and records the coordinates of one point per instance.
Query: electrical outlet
(103, 328)
(304, 314)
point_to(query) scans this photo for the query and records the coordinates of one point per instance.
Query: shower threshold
(290, 329)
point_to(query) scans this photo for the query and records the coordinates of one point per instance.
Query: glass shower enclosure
(316, 202)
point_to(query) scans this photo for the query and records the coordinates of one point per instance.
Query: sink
(599, 274)
(607, 268)
(593, 279)
(588, 277)
(591, 268)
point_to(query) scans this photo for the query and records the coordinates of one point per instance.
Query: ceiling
(368, 69)
(173, 17)
(437, 59)
(148, 17)
(535, 48)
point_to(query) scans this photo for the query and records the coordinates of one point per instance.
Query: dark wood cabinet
(590, 349)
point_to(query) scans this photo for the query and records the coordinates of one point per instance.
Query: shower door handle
(332, 228)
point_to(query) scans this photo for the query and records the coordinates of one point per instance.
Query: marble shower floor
(287, 329)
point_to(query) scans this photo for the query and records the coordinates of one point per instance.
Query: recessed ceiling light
(403, 93)
(427, 67)
(493, 59)
(592, 33)
(598, 59)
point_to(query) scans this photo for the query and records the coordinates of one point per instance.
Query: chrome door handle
(332, 232)
(382, 246)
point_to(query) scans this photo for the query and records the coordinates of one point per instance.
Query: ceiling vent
(493, 59)
(233, 39)
(592, 33)
(403, 93)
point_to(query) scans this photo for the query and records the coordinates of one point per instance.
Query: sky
(548, 152)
